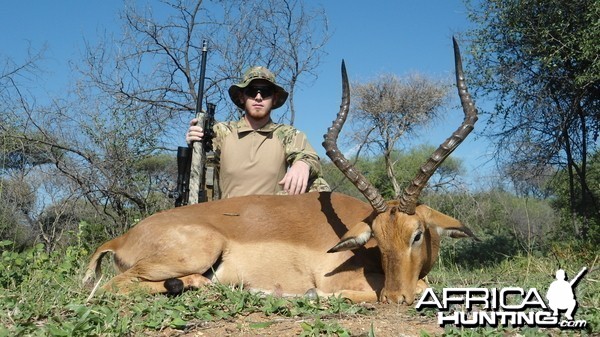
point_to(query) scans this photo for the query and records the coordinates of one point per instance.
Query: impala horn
(332, 151)
(408, 200)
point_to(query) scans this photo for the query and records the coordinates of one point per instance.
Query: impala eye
(418, 237)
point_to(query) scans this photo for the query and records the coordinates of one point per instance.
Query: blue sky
(394, 36)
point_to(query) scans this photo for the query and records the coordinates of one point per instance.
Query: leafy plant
(320, 328)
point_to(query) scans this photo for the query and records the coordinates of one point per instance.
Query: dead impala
(283, 244)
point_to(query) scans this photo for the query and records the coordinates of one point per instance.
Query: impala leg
(358, 296)
(372, 296)
(171, 271)
(359, 289)
(175, 286)
(122, 283)
(355, 296)
(125, 283)
(422, 284)
(158, 282)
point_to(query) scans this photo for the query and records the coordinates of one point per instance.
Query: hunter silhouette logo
(561, 295)
(510, 306)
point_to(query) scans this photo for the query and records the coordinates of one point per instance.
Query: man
(256, 155)
(561, 295)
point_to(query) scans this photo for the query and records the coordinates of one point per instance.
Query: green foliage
(505, 224)
(319, 328)
(406, 165)
(586, 217)
(551, 41)
(40, 296)
(21, 151)
(28, 281)
(538, 60)
(16, 201)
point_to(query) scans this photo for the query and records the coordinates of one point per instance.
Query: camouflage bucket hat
(257, 73)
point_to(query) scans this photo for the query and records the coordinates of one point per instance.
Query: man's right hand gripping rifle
(199, 147)
(196, 132)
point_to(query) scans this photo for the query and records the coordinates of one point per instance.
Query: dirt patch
(384, 320)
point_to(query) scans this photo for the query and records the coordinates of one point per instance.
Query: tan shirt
(254, 161)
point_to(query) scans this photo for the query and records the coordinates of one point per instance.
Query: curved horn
(408, 200)
(330, 145)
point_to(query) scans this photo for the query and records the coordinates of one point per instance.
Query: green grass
(40, 295)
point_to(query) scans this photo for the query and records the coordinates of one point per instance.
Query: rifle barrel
(202, 76)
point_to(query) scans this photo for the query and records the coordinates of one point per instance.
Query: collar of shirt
(243, 127)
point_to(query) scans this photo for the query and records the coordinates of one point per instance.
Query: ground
(384, 320)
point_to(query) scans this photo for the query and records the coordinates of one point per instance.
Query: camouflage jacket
(254, 161)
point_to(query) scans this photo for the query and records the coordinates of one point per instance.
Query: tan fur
(277, 244)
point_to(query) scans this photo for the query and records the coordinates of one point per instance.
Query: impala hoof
(312, 294)
(174, 286)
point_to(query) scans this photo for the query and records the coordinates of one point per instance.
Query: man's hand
(295, 180)
(195, 132)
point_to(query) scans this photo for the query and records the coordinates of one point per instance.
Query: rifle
(575, 279)
(191, 162)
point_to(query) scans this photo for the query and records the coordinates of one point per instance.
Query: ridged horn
(408, 199)
(332, 151)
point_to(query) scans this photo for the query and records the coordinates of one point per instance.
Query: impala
(283, 244)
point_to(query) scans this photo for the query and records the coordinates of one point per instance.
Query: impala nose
(396, 297)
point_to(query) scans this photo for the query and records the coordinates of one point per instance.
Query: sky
(374, 37)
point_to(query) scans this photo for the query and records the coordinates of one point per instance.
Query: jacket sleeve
(297, 148)
(221, 130)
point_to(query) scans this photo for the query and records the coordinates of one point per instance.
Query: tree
(525, 183)
(18, 157)
(388, 108)
(539, 61)
(561, 195)
(156, 62)
(14, 77)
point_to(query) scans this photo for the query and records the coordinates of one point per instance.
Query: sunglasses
(264, 91)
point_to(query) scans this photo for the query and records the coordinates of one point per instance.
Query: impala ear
(356, 237)
(457, 233)
(444, 224)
